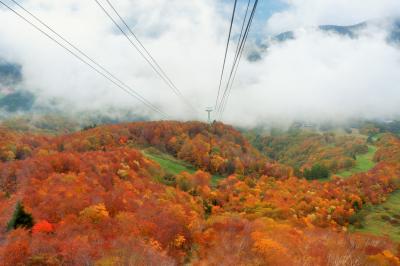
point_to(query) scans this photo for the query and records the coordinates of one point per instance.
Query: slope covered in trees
(95, 198)
(219, 149)
(303, 150)
(98, 205)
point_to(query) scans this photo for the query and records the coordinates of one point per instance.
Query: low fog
(317, 76)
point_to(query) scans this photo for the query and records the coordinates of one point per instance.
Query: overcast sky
(316, 76)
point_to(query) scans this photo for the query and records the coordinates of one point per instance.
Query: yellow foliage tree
(95, 213)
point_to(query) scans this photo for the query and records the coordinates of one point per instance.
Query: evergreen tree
(20, 218)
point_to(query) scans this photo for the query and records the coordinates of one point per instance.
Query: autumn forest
(106, 195)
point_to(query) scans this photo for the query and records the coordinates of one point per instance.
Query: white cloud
(320, 76)
(315, 76)
(185, 37)
(305, 13)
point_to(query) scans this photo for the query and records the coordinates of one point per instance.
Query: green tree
(318, 171)
(20, 218)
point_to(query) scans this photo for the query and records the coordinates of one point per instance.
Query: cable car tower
(209, 110)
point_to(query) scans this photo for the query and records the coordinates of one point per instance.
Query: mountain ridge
(350, 31)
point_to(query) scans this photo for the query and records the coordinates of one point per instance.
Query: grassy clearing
(364, 163)
(174, 166)
(168, 163)
(382, 220)
(377, 136)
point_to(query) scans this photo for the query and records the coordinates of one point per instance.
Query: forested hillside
(99, 197)
(302, 149)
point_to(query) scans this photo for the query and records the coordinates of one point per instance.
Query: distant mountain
(17, 101)
(395, 33)
(10, 73)
(288, 35)
(352, 31)
(12, 97)
(349, 31)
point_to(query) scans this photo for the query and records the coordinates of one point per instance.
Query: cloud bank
(316, 76)
(306, 13)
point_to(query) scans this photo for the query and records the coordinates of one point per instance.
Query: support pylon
(209, 110)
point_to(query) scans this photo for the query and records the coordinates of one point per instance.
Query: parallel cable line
(113, 79)
(237, 52)
(144, 48)
(152, 62)
(226, 53)
(236, 68)
(238, 59)
(75, 47)
(242, 28)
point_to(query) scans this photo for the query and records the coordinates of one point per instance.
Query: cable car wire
(226, 53)
(149, 59)
(237, 52)
(237, 62)
(113, 79)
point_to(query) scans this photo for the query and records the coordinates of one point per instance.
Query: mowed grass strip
(170, 164)
(173, 166)
(364, 163)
